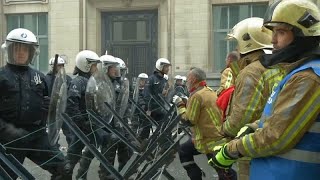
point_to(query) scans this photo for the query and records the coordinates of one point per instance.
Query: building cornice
(9, 2)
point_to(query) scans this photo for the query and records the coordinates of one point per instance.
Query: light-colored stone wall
(184, 27)
(65, 29)
(191, 35)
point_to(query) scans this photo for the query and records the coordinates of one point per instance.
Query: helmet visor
(113, 69)
(20, 54)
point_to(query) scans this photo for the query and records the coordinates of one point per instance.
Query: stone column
(65, 29)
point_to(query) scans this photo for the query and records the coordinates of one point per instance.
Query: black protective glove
(9, 133)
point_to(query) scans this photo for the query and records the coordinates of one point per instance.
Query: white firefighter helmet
(60, 61)
(20, 37)
(107, 61)
(165, 76)
(301, 14)
(251, 35)
(143, 76)
(85, 59)
(162, 62)
(178, 77)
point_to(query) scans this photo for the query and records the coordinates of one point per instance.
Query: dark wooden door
(131, 36)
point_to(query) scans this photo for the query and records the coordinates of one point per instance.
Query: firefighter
(227, 75)
(285, 144)
(204, 117)
(254, 82)
(24, 107)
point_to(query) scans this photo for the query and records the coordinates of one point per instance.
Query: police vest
(303, 161)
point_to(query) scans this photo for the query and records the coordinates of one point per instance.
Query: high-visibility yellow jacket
(227, 80)
(253, 86)
(202, 112)
(292, 121)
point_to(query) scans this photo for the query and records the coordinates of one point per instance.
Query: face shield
(112, 69)
(20, 54)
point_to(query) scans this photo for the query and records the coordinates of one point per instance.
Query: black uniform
(49, 79)
(23, 109)
(114, 145)
(180, 90)
(65, 129)
(153, 89)
(144, 124)
(76, 109)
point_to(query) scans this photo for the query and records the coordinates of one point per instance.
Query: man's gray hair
(198, 73)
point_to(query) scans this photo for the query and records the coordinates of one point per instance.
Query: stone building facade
(187, 32)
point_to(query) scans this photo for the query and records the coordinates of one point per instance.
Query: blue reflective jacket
(303, 161)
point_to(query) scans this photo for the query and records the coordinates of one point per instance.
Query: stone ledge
(8, 2)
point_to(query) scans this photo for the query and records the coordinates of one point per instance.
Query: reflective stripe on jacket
(203, 113)
(253, 85)
(288, 145)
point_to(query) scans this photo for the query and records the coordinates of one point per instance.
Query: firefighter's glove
(178, 101)
(244, 131)
(222, 160)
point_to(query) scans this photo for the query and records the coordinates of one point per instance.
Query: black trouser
(146, 125)
(109, 151)
(87, 156)
(67, 132)
(50, 158)
(75, 149)
(186, 153)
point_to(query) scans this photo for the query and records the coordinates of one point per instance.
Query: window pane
(12, 22)
(245, 12)
(43, 24)
(234, 16)
(220, 17)
(117, 31)
(43, 57)
(142, 31)
(29, 21)
(259, 10)
(129, 31)
(224, 18)
(220, 50)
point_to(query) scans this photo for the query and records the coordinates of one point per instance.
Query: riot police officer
(86, 65)
(113, 145)
(178, 86)
(153, 89)
(50, 78)
(138, 119)
(24, 106)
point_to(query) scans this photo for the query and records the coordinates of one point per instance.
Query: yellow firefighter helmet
(303, 15)
(251, 35)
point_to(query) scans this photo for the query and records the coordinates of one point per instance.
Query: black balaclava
(299, 46)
